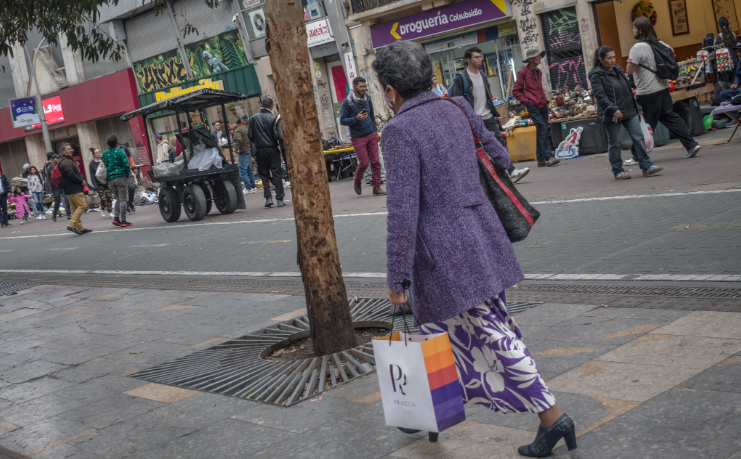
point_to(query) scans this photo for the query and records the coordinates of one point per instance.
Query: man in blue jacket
(357, 114)
(729, 94)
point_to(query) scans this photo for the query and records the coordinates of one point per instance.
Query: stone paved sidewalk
(639, 383)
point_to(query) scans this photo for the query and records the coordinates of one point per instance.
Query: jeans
(32, 205)
(543, 130)
(492, 125)
(270, 170)
(729, 94)
(78, 206)
(4, 209)
(658, 106)
(366, 149)
(368, 175)
(120, 188)
(58, 195)
(39, 197)
(614, 146)
(245, 170)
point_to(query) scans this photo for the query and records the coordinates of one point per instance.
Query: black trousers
(4, 209)
(658, 106)
(270, 170)
(58, 195)
(493, 125)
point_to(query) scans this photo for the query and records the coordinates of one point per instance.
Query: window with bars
(563, 47)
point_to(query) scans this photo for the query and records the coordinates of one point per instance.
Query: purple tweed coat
(443, 233)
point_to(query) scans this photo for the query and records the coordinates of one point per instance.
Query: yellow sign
(393, 31)
(316, 65)
(202, 84)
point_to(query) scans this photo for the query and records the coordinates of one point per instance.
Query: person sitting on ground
(735, 90)
(617, 108)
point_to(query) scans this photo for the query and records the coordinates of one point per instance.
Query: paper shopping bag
(419, 381)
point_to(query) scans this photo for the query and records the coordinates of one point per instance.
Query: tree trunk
(318, 258)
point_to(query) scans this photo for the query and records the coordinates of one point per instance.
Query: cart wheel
(207, 190)
(194, 202)
(225, 196)
(169, 202)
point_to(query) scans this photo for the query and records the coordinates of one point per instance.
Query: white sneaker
(103, 213)
(43, 217)
(245, 191)
(630, 162)
(517, 174)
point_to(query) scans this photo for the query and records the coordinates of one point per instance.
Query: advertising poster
(24, 112)
(207, 58)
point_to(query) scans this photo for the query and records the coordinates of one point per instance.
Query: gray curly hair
(406, 66)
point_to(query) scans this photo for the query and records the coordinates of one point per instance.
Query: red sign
(52, 111)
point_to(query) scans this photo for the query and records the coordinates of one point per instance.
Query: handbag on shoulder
(515, 213)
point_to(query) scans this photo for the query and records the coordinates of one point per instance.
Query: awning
(189, 102)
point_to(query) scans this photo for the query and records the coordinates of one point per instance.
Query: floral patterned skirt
(494, 366)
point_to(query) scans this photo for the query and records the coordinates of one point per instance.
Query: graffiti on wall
(566, 72)
(206, 58)
(527, 23)
(563, 42)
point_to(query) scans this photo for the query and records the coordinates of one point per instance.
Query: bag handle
(405, 285)
(490, 168)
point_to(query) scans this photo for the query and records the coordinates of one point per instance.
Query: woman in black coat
(617, 107)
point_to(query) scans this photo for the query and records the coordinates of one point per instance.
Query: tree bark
(318, 258)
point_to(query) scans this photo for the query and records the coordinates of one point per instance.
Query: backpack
(56, 178)
(666, 64)
(465, 84)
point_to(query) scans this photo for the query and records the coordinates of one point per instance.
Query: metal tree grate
(9, 288)
(237, 367)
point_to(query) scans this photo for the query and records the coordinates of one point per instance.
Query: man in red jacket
(528, 89)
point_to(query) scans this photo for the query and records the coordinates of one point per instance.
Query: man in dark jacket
(243, 151)
(357, 114)
(263, 133)
(477, 91)
(58, 193)
(4, 190)
(74, 188)
(735, 90)
(528, 89)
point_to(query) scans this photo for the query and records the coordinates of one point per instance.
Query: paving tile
(672, 350)
(38, 409)
(30, 371)
(706, 323)
(226, 439)
(551, 314)
(150, 352)
(724, 377)
(593, 330)
(651, 315)
(87, 392)
(472, 440)
(555, 357)
(358, 388)
(41, 434)
(23, 392)
(161, 393)
(92, 369)
(294, 419)
(111, 410)
(623, 381)
(201, 410)
(66, 451)
(6, 427)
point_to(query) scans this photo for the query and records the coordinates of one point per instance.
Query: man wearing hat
(58, 193)
(528, 89)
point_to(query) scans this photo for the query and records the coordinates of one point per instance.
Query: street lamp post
(42, 115)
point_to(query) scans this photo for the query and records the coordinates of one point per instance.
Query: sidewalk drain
(235, 368)
(8, 288)
(686, 292)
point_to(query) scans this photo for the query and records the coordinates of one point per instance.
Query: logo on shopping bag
(397, 381)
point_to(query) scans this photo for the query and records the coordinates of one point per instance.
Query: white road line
(367, 214)
(363, 275)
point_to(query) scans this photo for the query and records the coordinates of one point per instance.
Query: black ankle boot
(546, 439)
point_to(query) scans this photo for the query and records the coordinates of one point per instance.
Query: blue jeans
(245, 170)
(39, 198)
(727, 95)
(614, 147)
(543, 129)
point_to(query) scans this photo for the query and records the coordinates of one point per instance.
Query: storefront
(242, 80)
(84, 116)
(448, 31)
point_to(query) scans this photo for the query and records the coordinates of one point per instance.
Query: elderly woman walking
(449, 244)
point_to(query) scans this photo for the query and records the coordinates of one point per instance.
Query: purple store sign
(437, 20)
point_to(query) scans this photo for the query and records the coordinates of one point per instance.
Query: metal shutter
(148, 35)
(209, 22)
(563, 45)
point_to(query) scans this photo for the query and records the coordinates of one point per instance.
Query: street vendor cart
(195, 190)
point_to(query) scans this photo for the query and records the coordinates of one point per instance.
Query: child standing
(36, 188)
(21, 206)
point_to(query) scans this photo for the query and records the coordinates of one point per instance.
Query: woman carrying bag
(616, 108)
(451, 246)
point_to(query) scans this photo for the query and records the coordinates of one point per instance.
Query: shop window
(13, 155)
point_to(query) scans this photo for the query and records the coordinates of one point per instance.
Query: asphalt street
(685, 221)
